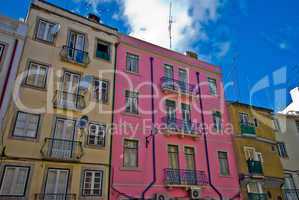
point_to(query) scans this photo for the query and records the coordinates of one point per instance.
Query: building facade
(56, 136)
(12, 36)
(259, 166)
(287, 134)
(160, 149)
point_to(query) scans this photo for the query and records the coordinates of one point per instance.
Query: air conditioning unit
(195, 193)
(160, 196)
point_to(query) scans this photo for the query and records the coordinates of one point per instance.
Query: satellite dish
(83, 121)
(55, 29)
(85, 82)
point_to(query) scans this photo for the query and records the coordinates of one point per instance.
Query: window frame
(106, 44)
(46, 67)
(37, 29)
(215, 126)
(131, 94)
(3, 49)
(136, 153)
(104, 138)
(15, 123)
(106, 100)
(26, 182)
(177, 152)
(133, 56)
(101, 182)
(244, 114)
(282, 152)
(187, 154)
(227, 162)
(212, 81)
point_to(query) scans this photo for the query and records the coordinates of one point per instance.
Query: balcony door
(190, 173)
(76, 43)
(255, 188)
(62, 144)
(173, 174)
(244, 119)
(289, 188)
(168, 76)
(183, 79)
(186, 112)
(68, 96)
(171, 114)
(56, 184)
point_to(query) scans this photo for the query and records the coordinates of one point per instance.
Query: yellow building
(259, 166)
(66, 72)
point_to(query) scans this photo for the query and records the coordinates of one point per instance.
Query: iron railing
(247, 128)
(74, 55)
(184, 177)
(60, 149)
(56, 196)
(255, 167)
(179, 125)
(177, 85)
(67, 100)
(257, 196)
(291, 194)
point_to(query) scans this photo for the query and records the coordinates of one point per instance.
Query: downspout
(152, 133)
(205, 139)
(8, 73)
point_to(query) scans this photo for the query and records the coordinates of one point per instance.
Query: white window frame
(26, 125)
(259, 187)
(136, 153)
(132, 65)
(14, 180)
(36, 74)
(212, 86)
(131, 101)
(92, 183)
(101, 131)
(48, 27)
(98, 90)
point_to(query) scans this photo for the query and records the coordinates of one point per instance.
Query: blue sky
(249, 39)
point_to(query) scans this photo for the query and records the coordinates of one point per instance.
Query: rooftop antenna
(170, 22)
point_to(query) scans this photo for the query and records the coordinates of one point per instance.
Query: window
(183, 76)
(92, 183)
(2, 47)
(282, 150)
(44, 31)
(130, 153)
(14, 181)
(289, 182)
(56, 183)
(131, 102)
(103, 50)
(249, 153)
(243, 118)
(101, 90)
(217, 121)
(190, 158)
(173, 157)
(26, 125)
(212, 86)
(168, 71)
(223, 163)
(256, 122)
(36, 75)
(255, 187)
(132, 63)
(96, 134)
(276, 124)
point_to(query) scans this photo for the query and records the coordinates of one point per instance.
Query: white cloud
(92, 3)
(223, 48)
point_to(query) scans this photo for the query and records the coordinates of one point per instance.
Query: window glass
(130, 153)
(44, 31)
(132, 63)
(217, 121)
(223, 163)
(212, 86)
(101, 90)
(103, 50)
(173, 157)
(96, 135)
(37, 75)
(92, 184)
(131, 102)
(26, 125)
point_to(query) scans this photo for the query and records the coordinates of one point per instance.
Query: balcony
(172, 85)
(66, 100)
(255, 167)
(178, 126)
(257, 196)
(247, 129)
(184, 178)
(60, 149)
(48, 196)
(76, 56)
(291, 194)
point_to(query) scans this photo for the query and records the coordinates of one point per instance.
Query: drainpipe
(205, 139)
(112, 119)
(152, 133)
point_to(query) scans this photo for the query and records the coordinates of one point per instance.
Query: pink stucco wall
(132, 182)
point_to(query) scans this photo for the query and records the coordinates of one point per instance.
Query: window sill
(130, 114)
(34, 87)
(225, 176)
(44, 41)
(130, 169)
(23, 138)
(132, 73)
(95, 147)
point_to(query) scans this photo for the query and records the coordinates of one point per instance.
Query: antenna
(170, 24)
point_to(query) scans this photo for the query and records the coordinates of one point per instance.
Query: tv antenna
(170, 22)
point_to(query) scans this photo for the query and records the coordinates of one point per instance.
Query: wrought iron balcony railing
(67, 100)
(255, 167)
(291, 194)
(184, 177)
(257, 196)
(177, 85)
(70, 54)
(179, 125)
(60, 149)
(56, 196)
(247, 128)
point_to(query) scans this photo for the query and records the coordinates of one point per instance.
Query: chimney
(94, 17)
(191, 54)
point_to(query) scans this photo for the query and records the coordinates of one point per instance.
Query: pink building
(160, 150)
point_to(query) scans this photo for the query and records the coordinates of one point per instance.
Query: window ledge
(130, 169)
(34, 87)
(132, 73)
(130, 114)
